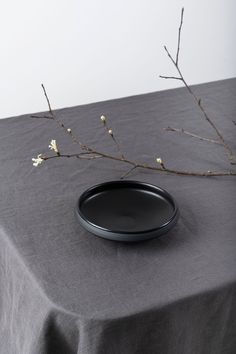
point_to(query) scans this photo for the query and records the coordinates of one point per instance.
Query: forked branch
(231, 156)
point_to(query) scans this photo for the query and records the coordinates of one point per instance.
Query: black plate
(127, 211)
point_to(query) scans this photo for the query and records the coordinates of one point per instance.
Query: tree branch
(146, 166)
(90, 153)
(231, 156)
(170, 129)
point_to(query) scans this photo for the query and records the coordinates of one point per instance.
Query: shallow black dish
(127, 211)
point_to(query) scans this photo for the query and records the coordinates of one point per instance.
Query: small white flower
(37, 161)
(159, 160)
(110, 131)
(53, 146)
(103, 118)
(69, 130)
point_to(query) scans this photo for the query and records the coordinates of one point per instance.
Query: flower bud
(159, 160)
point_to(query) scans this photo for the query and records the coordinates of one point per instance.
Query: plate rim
(144, 186)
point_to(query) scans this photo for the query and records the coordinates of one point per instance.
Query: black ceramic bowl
(127, 211)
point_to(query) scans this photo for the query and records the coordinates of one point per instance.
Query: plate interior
(127, 209)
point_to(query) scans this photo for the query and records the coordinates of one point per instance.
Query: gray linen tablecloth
(65, 291)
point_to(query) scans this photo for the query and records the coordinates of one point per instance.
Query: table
(66, 291)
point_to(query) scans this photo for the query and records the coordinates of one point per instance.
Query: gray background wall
(86, 51)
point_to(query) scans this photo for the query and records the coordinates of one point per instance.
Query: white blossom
(69, 130)
(159, 160)
(103, 118)
(37, 161)
(53, 146)
(110, 131)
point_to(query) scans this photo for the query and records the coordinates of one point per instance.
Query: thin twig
(118, 146)
(46, 117)
(111, 133)
(48, 102)
(170, 129)
(170, 77)
(179, 36)
(230, 153)
(128, 172)
(59, 122)
(81, 155)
